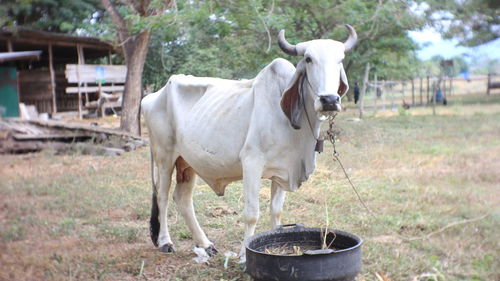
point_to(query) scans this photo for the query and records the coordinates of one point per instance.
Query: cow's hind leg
(162, 178)
(183, 197)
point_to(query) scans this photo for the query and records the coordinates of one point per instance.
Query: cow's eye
(308, 59)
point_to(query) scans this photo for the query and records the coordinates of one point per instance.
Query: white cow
(226, 130)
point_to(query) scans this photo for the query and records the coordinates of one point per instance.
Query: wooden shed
(43, 82)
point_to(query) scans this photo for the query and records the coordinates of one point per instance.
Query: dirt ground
(431, 182)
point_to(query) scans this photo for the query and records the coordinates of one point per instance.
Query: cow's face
(319, 77)
(324, 74)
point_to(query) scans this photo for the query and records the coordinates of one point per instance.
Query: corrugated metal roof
(30, 36)
(64, 46)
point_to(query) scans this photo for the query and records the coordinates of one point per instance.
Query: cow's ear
(344, 84)
(291, 101)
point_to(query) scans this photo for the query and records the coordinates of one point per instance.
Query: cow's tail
(154, 222)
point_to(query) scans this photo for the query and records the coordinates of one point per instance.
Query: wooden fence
(390, 94)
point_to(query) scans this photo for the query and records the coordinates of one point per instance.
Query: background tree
(65, 16)
(134, 21)
(473, 22)
(237, 38)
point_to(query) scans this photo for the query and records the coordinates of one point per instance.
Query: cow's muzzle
(330, 103)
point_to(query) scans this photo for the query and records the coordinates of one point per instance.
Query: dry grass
(78, 217)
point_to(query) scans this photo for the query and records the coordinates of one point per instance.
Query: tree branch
(265, 27)
(134, 5)
(121, 25)
(140, 7)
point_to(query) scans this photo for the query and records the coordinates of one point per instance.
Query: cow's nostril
(329, 99)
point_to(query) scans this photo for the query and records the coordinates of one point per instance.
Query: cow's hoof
(242, 263)
(167, 248)
(211, 251)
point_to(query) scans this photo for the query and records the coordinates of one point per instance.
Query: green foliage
(236, 39)
(473, 22)
(432, 66)
(482, 65)
(64, 16)
(138, 23)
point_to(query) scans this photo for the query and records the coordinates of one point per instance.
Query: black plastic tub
(340, 262)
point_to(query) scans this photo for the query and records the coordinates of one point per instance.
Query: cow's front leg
(252, 173)
(277, 201)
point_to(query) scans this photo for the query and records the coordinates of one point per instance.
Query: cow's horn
(285, 46)
(351, 41)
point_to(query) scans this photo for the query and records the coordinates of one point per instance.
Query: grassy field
(432, 183)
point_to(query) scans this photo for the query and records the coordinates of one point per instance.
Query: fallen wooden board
(11, 146)
(52, 136)
(24, 128)
(77, 126)
(34, 146)
(20, 136)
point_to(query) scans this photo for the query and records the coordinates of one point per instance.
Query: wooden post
(9, 46)
(392, 97)
(444, 88)
(383, 96)
(428, 89)
(421, 86)
(412, 92)
(80, 61)
(451, 85)
(488, 85)
(52, 79)
(363, 90)
(110, 61)
(375, 97)
(434, 88)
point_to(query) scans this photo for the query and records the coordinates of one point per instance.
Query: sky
(432, 44)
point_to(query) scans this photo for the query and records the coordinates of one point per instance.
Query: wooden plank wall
(87, 73)
(34, 89)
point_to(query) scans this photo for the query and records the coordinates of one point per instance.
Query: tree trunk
(135, 57)
(488, 85)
